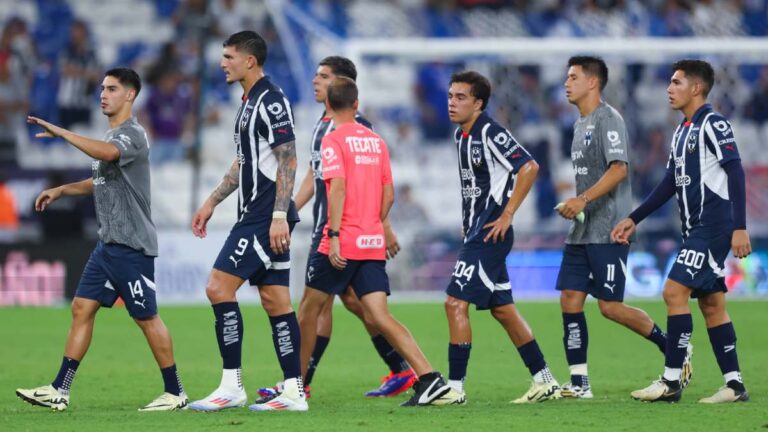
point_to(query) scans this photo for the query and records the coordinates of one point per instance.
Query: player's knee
(673, 297)
(455, 308)
(214, 293)
(710, 309)
(81, 311)
(611, 310)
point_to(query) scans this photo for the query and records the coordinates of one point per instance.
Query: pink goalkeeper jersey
(358, 155)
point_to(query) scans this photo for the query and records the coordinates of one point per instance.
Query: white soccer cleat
(658, 391)
(220, 399)
(726, 395)
(570, 391)
(291, 399)
(687, 370)
(45, 396)
(540, 392)
(167, 402)
(453, 397)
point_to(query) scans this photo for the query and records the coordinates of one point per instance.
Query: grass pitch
(119, 375)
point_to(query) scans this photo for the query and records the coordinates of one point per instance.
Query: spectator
(169, 113)
(80, 76)
(756, 108)
(9, 216)
(13, 105)
(406, 209)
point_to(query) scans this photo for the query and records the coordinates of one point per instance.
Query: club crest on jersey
(692, 139)
(477, 158)
(588, 138)
(246, 116)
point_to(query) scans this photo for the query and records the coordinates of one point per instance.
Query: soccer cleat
(658, 391)
(453, 397)
(570, 391)
(725, 395)
(167, 402)
(271, 391)
(45, 396)
(540, 392)
(220, 399)
(426, 392)
(290, 399)
(687, 370)
(394, 384)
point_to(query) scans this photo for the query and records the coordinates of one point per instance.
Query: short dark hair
(126, 77)
(697, 69)
(342, 93)
(480, 87)
(592, 65)
(250, 43)
(340, 66)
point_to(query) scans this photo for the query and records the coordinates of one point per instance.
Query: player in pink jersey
(352, 251)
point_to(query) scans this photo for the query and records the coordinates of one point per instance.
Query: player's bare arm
(228, 184)
(306, 189)
(390, 239)
(96, 149)
(279, 234)
(615, 174)
(336, 196)
(740, 243)
(523, 183)
(46, 197)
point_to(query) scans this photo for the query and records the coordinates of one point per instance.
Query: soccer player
(592, 263)
(496, 175)
(352, 252)
(401, 376)
(257, 248)
(704, 172)
(123, 262)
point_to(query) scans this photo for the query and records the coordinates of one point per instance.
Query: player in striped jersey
(496, 175)
(257, 248)
(704, 173)
(401, 376)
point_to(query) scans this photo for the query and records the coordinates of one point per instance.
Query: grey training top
(599, 139)
(121, 191)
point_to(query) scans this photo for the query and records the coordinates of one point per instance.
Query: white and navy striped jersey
(700, 148)
(323, 127)
(263, 122)
(489, 158)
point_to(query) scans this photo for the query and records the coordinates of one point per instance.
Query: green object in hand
(579, 217)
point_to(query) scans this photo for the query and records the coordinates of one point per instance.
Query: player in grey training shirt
(592, 264)
(122, 265)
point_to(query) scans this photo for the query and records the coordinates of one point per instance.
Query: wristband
(332, 233)
(279, 215)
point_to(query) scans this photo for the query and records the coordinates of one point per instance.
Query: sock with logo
(458, 358)
(532, 357)
(658, 337)
(723, 340)
(321, 343)
(171, 380)
(679, 331)
(576, 341)
(389, 354)
(287, 340)
(66, 374)
(229, 333)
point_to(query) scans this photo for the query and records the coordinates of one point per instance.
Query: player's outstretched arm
(523, 183)
(614, 175)
(279, 233)
(46, 197)
(96, 149)
(306, 189)
(228, 184)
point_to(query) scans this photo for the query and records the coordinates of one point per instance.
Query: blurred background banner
(53, 54)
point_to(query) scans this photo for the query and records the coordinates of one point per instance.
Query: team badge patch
(588, 138)
(692, 139)
(477, 159)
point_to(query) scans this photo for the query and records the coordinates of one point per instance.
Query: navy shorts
(247, 255)
(700, 265)
(365, 276)
(596, 269)
(480, 275)
(115, 270)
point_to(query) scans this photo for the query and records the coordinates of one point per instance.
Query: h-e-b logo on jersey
(477, 156)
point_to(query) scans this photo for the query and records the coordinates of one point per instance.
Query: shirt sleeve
(613, 139)
(506, 149)
(333, 159)
(386, 167)
(276, 117)
(719, 138)
(130, 143)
